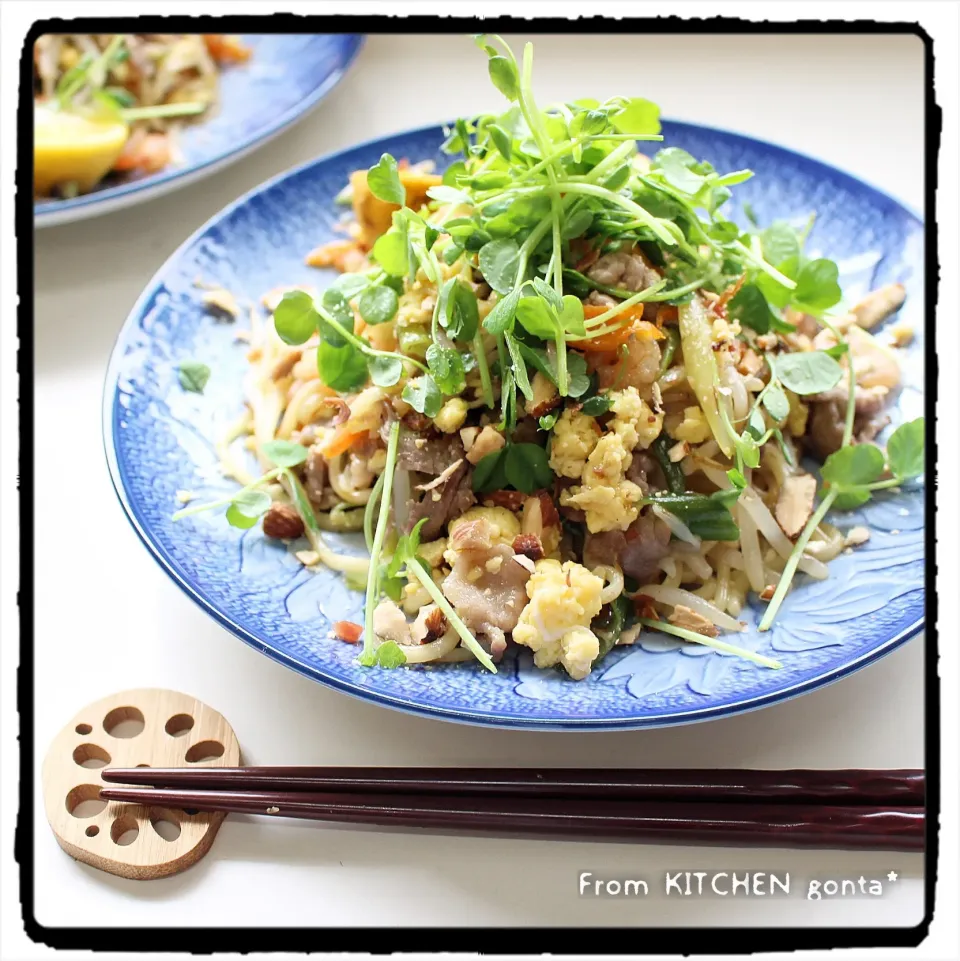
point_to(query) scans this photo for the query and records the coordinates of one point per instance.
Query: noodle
(750, 549)
(303, 407)
(346, 493)
(674, 596)
(441, 647)
(779, 541)
(731, 379)
(614, 583)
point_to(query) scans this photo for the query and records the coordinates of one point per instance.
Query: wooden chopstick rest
(146, 727)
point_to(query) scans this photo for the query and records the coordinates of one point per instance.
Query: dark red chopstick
(776, 825)
(901, 787)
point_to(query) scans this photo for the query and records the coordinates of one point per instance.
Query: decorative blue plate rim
(404, 704)
(47, 212)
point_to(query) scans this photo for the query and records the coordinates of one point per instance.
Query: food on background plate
(114, 103)
(563, 397)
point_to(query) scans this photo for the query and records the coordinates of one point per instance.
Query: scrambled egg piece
(505, 527)
(694, 428)
(609, 500)
(633, 419)
(452, 415)
(555, 625)
(432, 552)
(574, 437)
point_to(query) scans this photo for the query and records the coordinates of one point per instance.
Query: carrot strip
(342, 441)
(149, 153)
(331, 254)
(611, 341)
(226, 48)
(667, 314)
(347, 631)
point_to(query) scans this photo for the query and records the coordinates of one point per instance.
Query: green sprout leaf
(502, 141)
(248, 507)
(637, 116)
(489, 474)
(285, 453)
(571, 316)
(817, 285)
(499, 260)
(527, 468)
(549, 421)
(750, 308)
(503, 73)
(459, 313)
(384, 181)
(378, 305)
(906, 449)
(519, 366)
(342, 368)
(736, 478)
(446, 194)
(504, 311)
(537, 317)
(596, 405)
(423, 395)
(446, 365)
(853, 466)
(351, 284)
(675, 165)
(775, 400)
(548, 294)
(453, 173)
(386, 369)
(296, 318)
(390, 252)
(389, 655)
(336, 305)
(779, 242)
(193, 376)
(808, 372)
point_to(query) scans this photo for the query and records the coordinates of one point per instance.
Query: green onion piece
(783, 585)
(160, 110)
(370, 510)
(373, 577)
(682, 632)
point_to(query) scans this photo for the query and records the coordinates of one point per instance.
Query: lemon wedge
(69, 147)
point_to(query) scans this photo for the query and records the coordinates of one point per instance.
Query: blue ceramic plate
(282, 80)
(160, 439)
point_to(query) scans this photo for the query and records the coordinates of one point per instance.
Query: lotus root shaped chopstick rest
(149, 727)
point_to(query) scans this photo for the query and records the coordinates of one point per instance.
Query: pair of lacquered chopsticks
(880, 810)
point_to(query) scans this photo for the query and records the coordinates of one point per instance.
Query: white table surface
(113, 620)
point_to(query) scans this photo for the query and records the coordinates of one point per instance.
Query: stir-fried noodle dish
(107, 104)
(564, 398)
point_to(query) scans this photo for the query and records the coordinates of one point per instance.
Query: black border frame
(486, 940)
